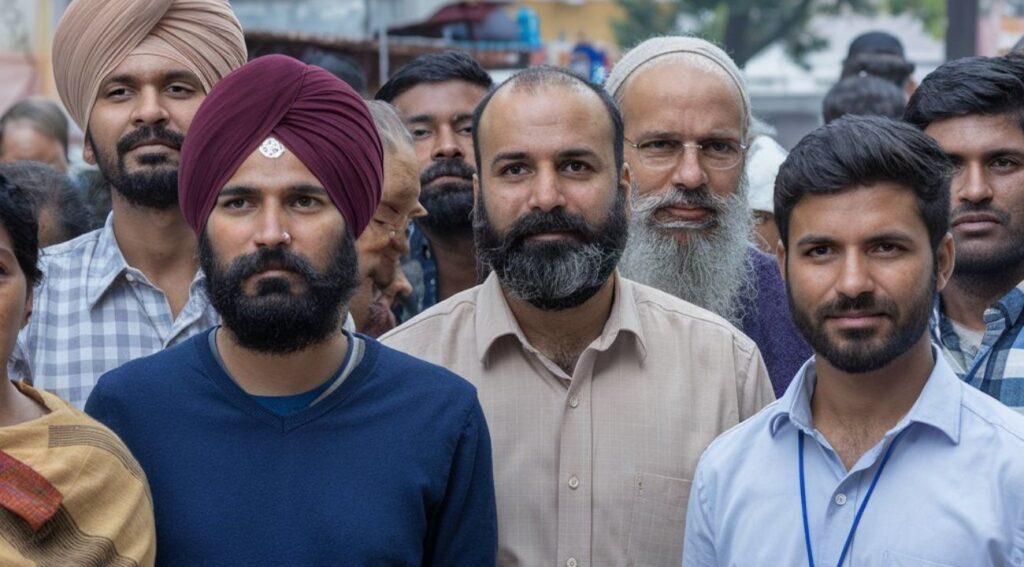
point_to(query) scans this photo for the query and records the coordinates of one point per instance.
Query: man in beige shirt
(600, 393)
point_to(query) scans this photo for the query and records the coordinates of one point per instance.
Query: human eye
(235, 203)
(464, 129)
(819, 251)
(1004, 163)
(420, 132)
(576, 166)
(116, 92)
(181, 89)
(659, 146)
(888, 249)
(720, 148)
(513, 170)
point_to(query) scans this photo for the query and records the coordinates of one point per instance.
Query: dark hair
(972, 85)
(870, 96)
(862, 150)
(44, 114)
(434, 68)
(18, 218)
(51, 189)
(534, 78)
(341, 66)
(892, 68)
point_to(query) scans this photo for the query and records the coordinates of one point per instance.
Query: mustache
(266, 259)
(143, 133)
(538, 222)
(699, 197)
(843, 305)
(447, 167)
(966, 208)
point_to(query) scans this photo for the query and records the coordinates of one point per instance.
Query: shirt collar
(494, 318)
(107, 263)
(938, 406)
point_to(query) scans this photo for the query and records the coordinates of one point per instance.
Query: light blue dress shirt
(952, 493)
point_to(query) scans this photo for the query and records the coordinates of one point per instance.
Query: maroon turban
(315, 115)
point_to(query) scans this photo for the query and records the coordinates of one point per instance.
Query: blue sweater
(767, 320)
(392, 468)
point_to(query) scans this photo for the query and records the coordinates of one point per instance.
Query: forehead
(439, 101)
(680, 95)
(546, 120)
(150, 68)
(401, 176)
(880, 208)
(977, 133)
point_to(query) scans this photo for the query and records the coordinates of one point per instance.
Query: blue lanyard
(860, 512)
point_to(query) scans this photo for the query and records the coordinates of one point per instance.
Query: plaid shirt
(93, 312)
(998, 368)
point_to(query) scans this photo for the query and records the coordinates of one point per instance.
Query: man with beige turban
(687, 131)
(132, 74)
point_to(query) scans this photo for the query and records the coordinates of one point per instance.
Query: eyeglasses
(664, 153)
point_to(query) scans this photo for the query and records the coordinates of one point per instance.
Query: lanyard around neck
(860, 512)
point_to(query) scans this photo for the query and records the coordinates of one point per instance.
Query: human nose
(545, 193)
(445, 144)
(689, 172)
(972, 185)
(271, 230)
(855, 276)
(149, 108)
(399, 285)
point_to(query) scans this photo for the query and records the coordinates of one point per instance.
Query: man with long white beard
(687, 128)
(601, 393)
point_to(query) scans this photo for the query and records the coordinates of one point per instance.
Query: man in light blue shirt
(877, 454)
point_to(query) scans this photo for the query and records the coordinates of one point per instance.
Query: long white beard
(709, 269)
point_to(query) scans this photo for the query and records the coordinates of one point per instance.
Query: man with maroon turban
(132, 74)
(277, 438)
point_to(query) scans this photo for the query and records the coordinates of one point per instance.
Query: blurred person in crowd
(342, 67)
(879, 54)
(96, 190)
(973, 107)
(436, 94)
(601, 393)
(131, 74)
(381, 246)
(35, 129)
(319, 446)
(877, 426)
(863, 96)
(60, 210)
(763, 160)
(688, 127)
(71, 491)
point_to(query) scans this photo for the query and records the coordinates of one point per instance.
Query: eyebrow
(168, 77)
(578, 153)
(509, 156)
(820, 239)
(667, 134)
(246, 191)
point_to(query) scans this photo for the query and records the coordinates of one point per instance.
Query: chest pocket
(657, 521)
(894, 559)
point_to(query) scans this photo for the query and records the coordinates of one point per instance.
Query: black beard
(859, 355)
(449, 205)
(276, 320)
(543, 273)
(156, 188)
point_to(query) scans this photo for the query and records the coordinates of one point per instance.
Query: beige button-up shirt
(595, 468)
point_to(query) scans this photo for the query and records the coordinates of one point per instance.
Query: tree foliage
(746, 27)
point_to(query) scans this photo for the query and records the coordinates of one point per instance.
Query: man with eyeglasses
(687, 129)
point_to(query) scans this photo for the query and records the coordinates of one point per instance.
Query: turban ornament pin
(271, 148)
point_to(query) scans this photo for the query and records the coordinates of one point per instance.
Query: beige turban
(95, 36)
(656, 47)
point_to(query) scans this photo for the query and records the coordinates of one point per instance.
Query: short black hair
(51, 189)
(434, 68)
(864, 96)
(863, 150)
(972, 85)
(892, 68)
(18, 218)
(540, 76)
(341, 66)
(44, 114)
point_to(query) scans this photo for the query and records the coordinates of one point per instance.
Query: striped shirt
(998, 367)
(93, 312)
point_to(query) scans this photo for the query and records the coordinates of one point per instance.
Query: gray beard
(710, 269)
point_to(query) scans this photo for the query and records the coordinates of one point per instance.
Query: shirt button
(572, 562)
(574, 402)
(840, 499)
(129, 277)
(574, 482)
